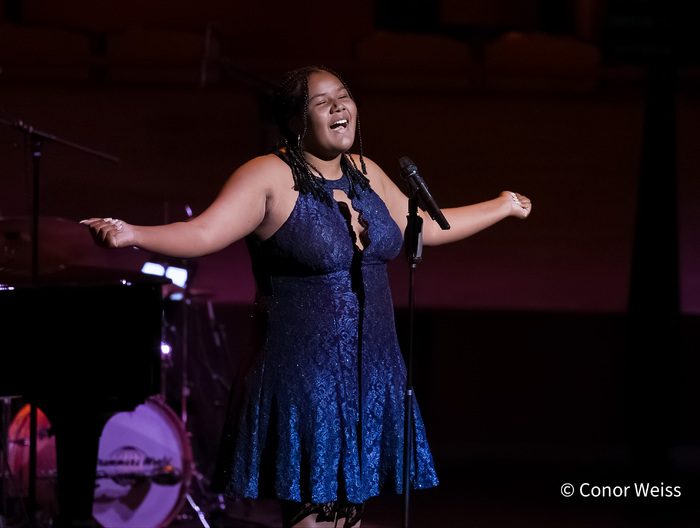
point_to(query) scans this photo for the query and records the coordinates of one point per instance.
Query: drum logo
(129, 465)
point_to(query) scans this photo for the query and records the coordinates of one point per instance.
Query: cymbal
(62, 243)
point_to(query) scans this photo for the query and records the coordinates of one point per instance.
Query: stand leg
(76, 458)
(407, 457)
(5, 462)
(198, 511)
(414, 249)
(33, 430)
(408, 418)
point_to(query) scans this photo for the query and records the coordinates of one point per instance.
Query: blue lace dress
(318, 415)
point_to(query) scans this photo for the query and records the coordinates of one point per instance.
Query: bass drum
(144, 468)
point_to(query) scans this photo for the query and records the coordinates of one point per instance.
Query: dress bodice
(316, 238)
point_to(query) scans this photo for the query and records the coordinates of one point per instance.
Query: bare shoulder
(259, 178)
(375, 174)
(272, 180)
(380, 182)
(264, 169)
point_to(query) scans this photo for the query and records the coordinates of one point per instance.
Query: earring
(299, 141)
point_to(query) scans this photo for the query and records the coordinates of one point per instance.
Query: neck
(330, 168)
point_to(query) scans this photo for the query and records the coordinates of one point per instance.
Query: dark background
(559, 349)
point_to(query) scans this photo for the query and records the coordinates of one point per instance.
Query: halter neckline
(341, 183)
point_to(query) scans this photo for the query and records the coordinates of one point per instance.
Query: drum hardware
(166, 363)
(18, 478)
(4, 464)
(8, 479)
(183, 295)
(200, 515)
(186, 299)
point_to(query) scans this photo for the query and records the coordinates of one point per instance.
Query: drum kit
(146, 472)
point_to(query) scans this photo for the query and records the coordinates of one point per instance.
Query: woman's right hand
(110, 232)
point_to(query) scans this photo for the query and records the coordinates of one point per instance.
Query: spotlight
(165, 349)
(177, 275)
(153, 268)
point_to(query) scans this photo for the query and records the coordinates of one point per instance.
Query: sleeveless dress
(318, 414)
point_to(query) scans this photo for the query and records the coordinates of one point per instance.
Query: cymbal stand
(7, 476)
(219, 503)
(166, 363)
(185, 394)
(5, 462)
(37, 138)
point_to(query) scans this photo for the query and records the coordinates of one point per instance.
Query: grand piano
(81, 344)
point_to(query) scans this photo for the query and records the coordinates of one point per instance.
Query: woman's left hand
(520, 205)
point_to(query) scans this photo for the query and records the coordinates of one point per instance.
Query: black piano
(81, 345)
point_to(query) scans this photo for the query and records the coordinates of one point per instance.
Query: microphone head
(407, 166)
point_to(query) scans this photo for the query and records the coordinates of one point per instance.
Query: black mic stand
(414, 250)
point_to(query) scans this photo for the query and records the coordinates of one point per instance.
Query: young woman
(317, 418)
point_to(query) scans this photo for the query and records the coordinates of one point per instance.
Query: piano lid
(74, 276)
(86, 335)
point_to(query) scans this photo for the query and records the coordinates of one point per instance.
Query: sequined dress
(319, 414)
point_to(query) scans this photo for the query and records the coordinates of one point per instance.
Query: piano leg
(77, 445)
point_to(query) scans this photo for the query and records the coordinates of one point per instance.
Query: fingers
(522, 203)
(104, 231)
(99, 223)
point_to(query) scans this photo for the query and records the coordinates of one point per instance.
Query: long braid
(291, 100)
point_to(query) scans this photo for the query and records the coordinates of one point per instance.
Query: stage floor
(477, 500)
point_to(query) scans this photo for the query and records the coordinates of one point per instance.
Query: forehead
(323, 82)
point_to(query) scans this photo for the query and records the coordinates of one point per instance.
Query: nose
(337, 106)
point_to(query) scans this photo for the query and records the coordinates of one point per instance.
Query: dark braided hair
(291, 100)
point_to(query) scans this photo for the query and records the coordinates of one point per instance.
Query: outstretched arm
(464, 221)
(237, 211)
(470, 219)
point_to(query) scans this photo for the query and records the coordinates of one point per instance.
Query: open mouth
(341, 123)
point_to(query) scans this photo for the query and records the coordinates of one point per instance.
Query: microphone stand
(36, 142)
(414, 250)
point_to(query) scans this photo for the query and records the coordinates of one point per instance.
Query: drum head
(144, 468)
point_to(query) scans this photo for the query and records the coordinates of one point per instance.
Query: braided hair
(291, 100)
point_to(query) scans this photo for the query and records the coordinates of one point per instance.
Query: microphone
(409, 172)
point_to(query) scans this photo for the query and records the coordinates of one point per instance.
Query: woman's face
(332, 117)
